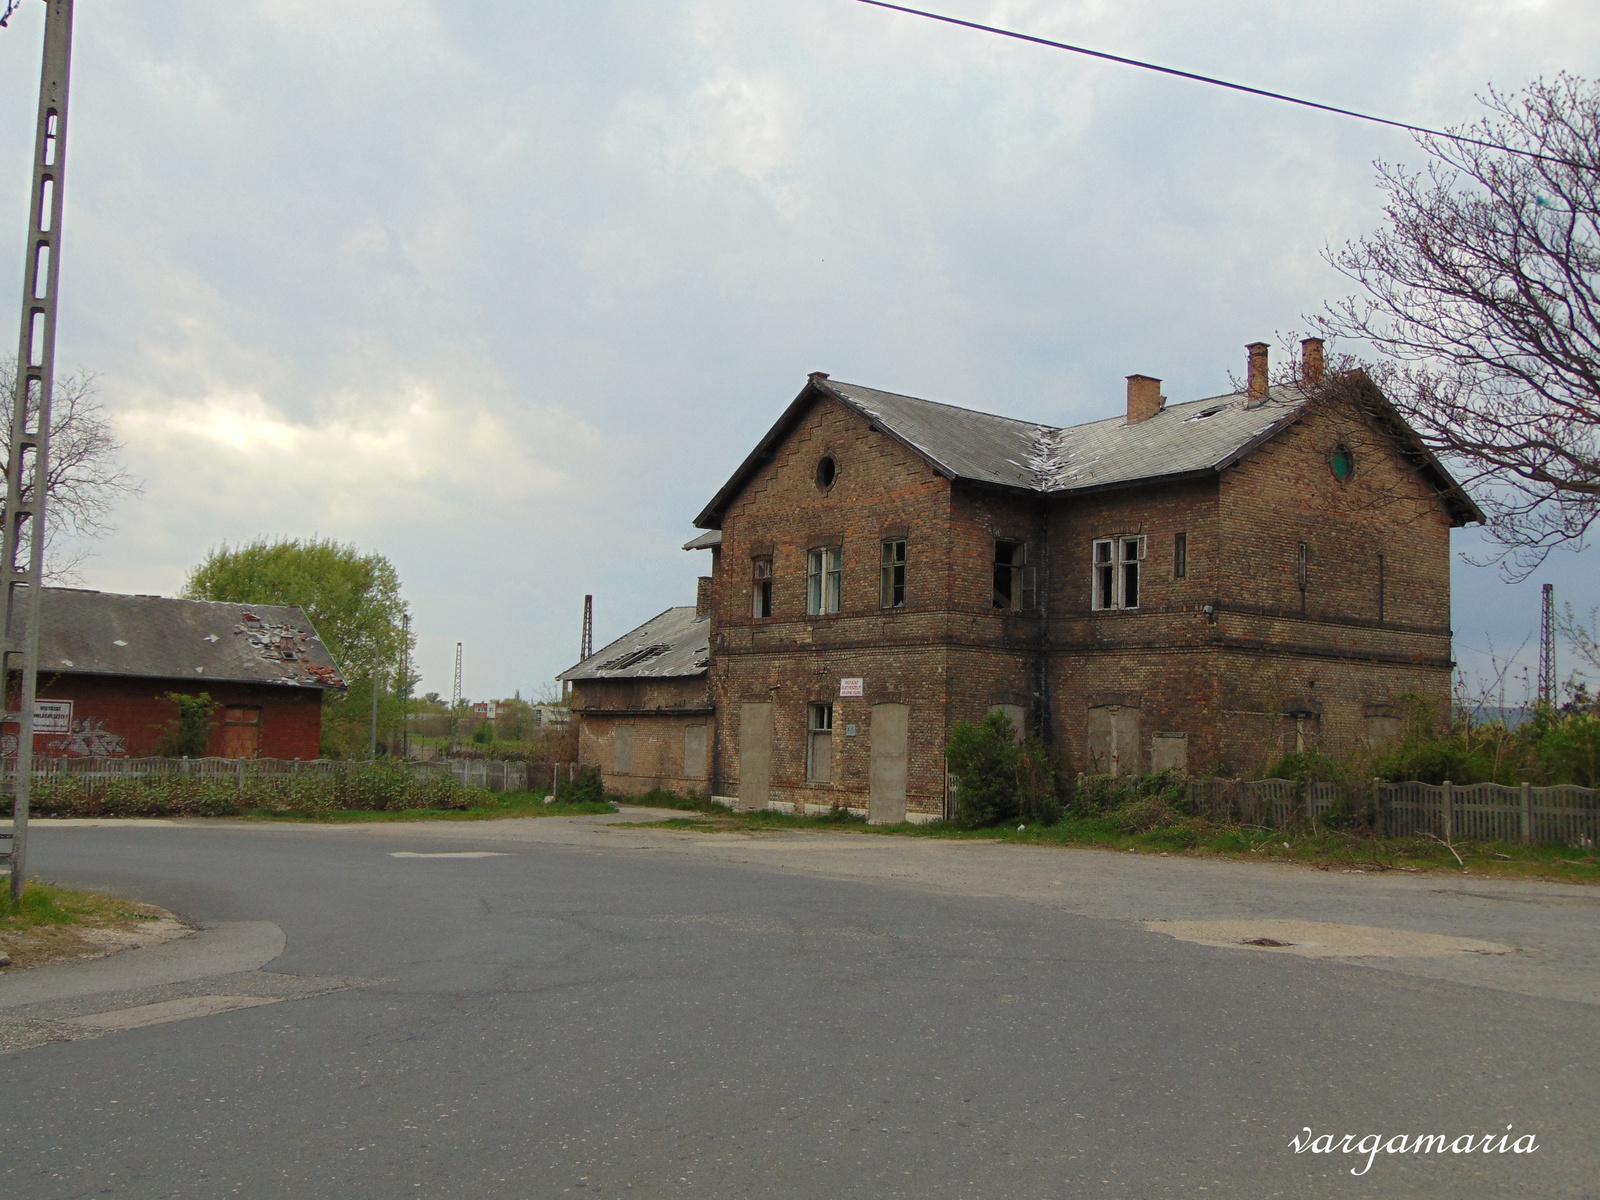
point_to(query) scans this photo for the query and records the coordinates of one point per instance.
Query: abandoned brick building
(1199, 585)
(107, 663)
(644, 707)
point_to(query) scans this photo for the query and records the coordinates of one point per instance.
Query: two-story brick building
(1195, 585)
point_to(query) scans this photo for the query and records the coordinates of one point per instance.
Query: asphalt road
(596, 1018)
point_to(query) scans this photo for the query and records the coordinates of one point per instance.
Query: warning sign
(851, 687)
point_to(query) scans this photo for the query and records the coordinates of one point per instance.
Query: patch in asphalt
(168, 1010)
(1323, 939)
(448, 854)
(81, 1017)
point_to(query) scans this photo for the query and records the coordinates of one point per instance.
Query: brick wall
(133, 717)
(657, 713)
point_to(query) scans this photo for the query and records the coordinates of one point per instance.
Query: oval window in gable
(1342, 462)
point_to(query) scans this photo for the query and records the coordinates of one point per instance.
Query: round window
(827, 472)
(1342, 462)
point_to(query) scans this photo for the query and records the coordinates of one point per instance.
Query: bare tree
(1482, 300)
(87, 477)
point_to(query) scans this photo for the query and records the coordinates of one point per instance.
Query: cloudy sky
(505, 290)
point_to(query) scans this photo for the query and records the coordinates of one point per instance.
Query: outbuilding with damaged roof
(108, 662)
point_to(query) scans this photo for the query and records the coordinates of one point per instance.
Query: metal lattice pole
(1547, 647)
(28, 466)
(455, 702)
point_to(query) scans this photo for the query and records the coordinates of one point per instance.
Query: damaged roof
(1195, 438)
(84, 632)
(673, 645)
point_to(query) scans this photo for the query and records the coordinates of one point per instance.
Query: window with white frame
(824, 580)
(761, 586)
(819, 743)
(1114, 582)
(1013, 578)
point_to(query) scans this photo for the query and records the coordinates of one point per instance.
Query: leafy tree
(86, 477)
(1482, 300)
(352, 598)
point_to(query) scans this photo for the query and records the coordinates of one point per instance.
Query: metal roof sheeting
(102, 633)
(673, 645)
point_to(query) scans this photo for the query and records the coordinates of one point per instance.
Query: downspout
(1043, 693)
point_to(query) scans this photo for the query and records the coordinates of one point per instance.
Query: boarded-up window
(1015, 714)
(1170, 752)
(694, 752)
(1112, 742)
(622, 750)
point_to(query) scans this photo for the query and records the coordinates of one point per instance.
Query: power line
(1222, 83)
(11, 7)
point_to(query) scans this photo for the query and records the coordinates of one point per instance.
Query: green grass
(46, 904)
(1324, 849)
(490, 806)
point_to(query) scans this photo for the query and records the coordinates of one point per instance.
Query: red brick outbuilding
(107, 662)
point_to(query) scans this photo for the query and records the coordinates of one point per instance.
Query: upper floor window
(761, 586)
(1115, 583)
(1180, 556)
(824, 580)
(893, 591)
(1013, 577)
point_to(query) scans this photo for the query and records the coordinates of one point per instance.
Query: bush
(380, 787)
(998, 779)
(585, 789)
(190, 735)
(1146, 813)
(1096, 794)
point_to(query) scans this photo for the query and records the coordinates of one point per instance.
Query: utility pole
(405, 686)
(377, 682)
(455, 702)
(1547, 647)
(29, 462)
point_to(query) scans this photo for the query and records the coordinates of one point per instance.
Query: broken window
(634, 657)
(1013, 577)
(1302, 571)
(1180, 556)
(824, 580)
(819, 743)
(893, 592)
(1115, 582)
(761, 590)
(1380, 589)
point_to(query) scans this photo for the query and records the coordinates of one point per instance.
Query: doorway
(755, 754)
(241, 731)
(886, 780)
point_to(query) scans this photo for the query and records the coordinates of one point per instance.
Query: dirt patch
(53, 943)
(1323, 939)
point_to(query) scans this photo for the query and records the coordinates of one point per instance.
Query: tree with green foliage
(353, 599)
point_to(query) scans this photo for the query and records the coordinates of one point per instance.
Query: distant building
(644, 706)
(106, 661)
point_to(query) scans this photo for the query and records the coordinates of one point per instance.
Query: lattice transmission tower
(455, 702)
(1547, 647)
(28, 458)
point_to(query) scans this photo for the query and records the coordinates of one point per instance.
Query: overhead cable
(1223, 83)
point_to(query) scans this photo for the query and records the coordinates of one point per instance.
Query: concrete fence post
(238, 777)
(1447, 809)
(1527, 811)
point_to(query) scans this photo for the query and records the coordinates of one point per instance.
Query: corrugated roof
(102, 633)
(673, 645)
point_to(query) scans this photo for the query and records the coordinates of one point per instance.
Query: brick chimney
(1258, 371)
(1311, 361)
(1144, 398)
(702, 597)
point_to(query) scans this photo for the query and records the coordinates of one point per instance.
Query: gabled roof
(675, 644)
(102, 633)
(1196, 438)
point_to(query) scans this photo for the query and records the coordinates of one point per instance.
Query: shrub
(998, 779)
(587, 788)
(190, 735)
(1146, 813)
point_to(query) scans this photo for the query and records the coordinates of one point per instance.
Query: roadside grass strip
(1324, 849)
(52, 924)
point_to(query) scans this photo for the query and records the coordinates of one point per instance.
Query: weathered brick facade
(1283, 629)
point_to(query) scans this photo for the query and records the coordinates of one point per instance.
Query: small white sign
(52, 716)
(49, 716)
(852, 687)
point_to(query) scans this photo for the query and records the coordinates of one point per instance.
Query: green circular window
(1343, 462)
